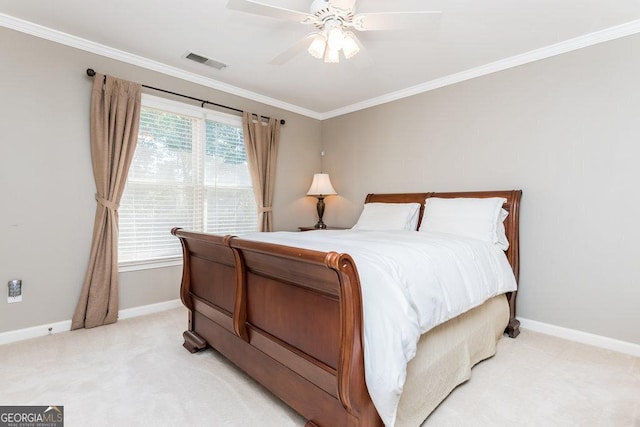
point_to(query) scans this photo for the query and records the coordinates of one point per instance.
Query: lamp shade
(317, 47)
(331, 56)
(335, 38)
(350, 46)
(321, 186)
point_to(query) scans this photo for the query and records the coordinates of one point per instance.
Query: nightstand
(328, 228)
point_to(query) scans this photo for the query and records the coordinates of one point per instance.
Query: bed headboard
(511, 224)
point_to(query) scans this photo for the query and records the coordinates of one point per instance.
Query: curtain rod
(91, 72)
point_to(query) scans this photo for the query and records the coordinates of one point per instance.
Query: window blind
(189, 170)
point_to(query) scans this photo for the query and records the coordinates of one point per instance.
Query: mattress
(445, 356)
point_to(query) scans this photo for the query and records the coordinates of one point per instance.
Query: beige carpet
(137, 373)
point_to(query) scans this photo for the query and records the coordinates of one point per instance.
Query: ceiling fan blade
(257, 8)
(395, 20)
(299, 46)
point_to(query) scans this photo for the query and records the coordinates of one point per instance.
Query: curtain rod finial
(90, 72)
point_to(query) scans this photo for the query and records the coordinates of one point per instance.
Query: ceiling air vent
(206, 61)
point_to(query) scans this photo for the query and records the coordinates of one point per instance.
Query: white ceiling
(472, 38)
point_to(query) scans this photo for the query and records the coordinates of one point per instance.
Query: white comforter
(411, 282)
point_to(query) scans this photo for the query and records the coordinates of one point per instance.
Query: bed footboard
(291, 318)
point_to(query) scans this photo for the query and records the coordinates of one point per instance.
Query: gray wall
(566, 131)
(46, 183)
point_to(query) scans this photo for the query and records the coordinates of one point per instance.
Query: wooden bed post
(512, 229)
(240, 305)
(352, 388)
(192, 341)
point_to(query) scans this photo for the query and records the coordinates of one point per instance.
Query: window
(189, 170)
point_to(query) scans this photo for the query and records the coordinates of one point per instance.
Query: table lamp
(321, 187)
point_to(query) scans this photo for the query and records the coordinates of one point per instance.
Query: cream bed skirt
(445, 356)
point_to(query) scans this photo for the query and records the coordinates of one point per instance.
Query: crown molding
(576, 43)
(50, 34)
(612, 33)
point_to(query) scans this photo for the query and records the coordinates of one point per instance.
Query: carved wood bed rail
(291, 318)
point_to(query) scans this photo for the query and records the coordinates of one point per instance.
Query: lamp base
(320, 209)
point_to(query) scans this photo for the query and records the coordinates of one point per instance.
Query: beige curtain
(261, 142)
(115, 115)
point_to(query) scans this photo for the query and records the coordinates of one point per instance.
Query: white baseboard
(581, 337)
(149, 309)
(65, 325)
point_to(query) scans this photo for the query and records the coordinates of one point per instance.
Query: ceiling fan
(334, 21)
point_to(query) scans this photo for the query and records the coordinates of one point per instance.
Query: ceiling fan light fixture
(331, 56)
(350, 46)
(317, 46)
(336, 25)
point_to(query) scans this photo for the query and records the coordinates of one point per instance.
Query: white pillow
(478, 218)
(503, 242)
(388, 217)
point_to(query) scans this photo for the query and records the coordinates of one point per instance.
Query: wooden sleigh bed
(292, 318)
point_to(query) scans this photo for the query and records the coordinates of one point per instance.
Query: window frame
(176, 107)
